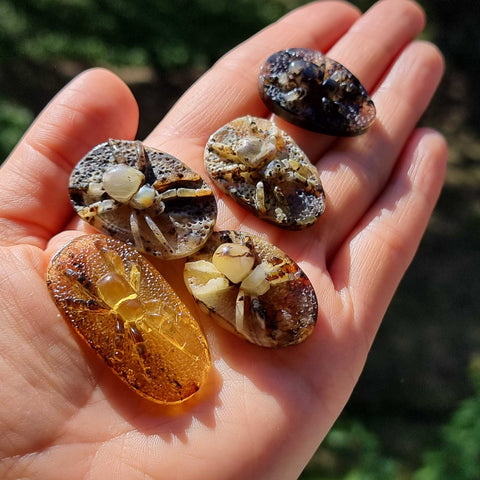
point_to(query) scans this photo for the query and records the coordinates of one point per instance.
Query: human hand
(263, 412)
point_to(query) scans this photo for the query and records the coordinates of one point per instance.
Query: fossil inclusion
(265, 171)
(129, 315)
(253, 289)
(143, 197)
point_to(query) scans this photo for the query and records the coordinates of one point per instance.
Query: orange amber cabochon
(126, 311)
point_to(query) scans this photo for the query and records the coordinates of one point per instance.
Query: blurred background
(415, 413)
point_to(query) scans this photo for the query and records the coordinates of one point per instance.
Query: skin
(262, 413)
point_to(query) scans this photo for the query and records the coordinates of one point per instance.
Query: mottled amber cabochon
(143, 197)
(264, 170)
(268, 301)
(124, 309)
(310, 90)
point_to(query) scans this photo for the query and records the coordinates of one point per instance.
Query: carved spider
(121, 306)
(260, 166)
(310, 90)
(144, 197)
(253, 288)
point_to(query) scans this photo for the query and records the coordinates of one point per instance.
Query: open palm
(263, 412)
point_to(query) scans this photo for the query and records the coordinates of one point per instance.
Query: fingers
(375, 256)
(356, 171)
(377, 37)
(34, 202)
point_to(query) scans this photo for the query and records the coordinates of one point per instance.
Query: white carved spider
(136, 187)
(260, 157)
(231, 285)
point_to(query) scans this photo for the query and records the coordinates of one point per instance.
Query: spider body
(128, 314)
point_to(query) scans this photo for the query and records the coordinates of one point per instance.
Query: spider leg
(159, 318)
(157, 232)
(260, 197)
(184, 193)
(141, 155)
(226, 152)
(307, 176)
(135, 229)
(89, 212)
(282, 272)
(116, 151)
(282, 210)
(139, 342)
(256, 311)
(240, 312)
(143, 162)
(104, 206)
(119, 340)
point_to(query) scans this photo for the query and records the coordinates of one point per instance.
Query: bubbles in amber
(130, 316)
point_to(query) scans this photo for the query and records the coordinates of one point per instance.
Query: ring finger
(356, 171)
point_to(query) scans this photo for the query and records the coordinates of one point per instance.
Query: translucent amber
(124, 309)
